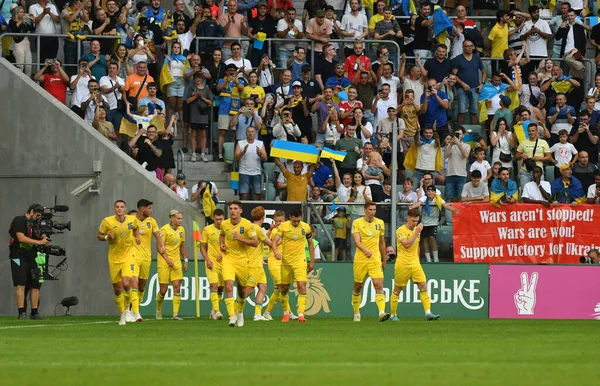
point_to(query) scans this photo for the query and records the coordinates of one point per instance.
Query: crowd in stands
(485, 108)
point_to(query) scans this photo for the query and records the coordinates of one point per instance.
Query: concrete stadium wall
(45, 147)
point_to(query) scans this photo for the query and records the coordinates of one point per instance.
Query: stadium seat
(228, 152)
(324, 243)
(444, 239)
(473, 128)
(549, 173)
(269, 169)
(408, 174)
(442, 189)
(448, 216)
(271, 193)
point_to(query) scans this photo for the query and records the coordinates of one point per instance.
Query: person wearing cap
(180, 188)
(526, 150)
(229, 89)
(567, 189)
(137, 11)
(22, 259)
(318, 30)
(289, 28)
(168, 265)
(263, 22)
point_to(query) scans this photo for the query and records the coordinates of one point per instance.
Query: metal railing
(38, 37)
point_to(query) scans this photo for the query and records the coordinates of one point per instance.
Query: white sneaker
(193, 158)
(158, 315)
(218, 315)
(138, 317)
(212, 315)
(260, 318)
(240, 319)
(267, 316)
(357, 317)
(177, 317)
(123, 320)
(203, 157)
(129, 318)
(292, 316)
(232, 321)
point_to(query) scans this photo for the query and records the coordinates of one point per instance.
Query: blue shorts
(247, 180)
(454, 186)
(176, 88)
(467, 99)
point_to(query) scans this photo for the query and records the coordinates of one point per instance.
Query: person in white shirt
(382, 101)
(111, 86)
(44, 16)
(290, 28)
(242, 64)
(95, 99)
(537, 191)
(563, 152)
(475, 190)
(481, 164)
(593, 193)
(249, 153)
(355, 24)
(536, 33)
(286, 130)
(393, 81)
(79, 86)
(180, 188)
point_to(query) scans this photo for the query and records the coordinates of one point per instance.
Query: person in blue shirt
(229, 89)
(434, 104)
(339, 79)
(97, 61)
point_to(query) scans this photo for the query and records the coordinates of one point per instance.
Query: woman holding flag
(171, 80)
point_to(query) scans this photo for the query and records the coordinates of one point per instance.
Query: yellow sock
(394, 302)
(135, 301)
(380, 301)
(159, 301)
(239, 304)
(127, 297)
(120, 302)
(176, 303)
(257, 309)
(273, 300)
(214, 300)
(301, 304)
(356, 303)
(425, 301)
(141, 296)
(285, 302)
(229, 304)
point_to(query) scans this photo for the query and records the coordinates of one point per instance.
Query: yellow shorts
(291, 273)
(235, 272)
(120, 270)
(362, 269)
(403, 274)
(275, 271)
(167, 274)
(256, 276)
(142, 269)
(215, 275)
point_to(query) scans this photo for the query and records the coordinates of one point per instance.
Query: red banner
(524, 233)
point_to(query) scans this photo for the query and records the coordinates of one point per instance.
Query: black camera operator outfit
(22, 260)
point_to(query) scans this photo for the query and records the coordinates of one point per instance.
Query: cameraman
(22, 259)
(593, 257)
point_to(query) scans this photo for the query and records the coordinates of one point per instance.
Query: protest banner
(524, 233)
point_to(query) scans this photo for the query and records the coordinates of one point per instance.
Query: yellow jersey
(370, 233)
(256, 254)
(121, 249)
(407, 257)
(173, 240)
(148, 227)
(275, 232)
(235, 251)
(340, 224)
(293, 241)
(210, 237)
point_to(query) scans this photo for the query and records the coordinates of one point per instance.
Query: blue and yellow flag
(442, 25)
(336, 155)
(521, 131)
(166, 77)
(409, 7)
(130, 128)
(410, 160)
(294, 151)
(234, 182)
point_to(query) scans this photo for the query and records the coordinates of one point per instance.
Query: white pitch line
(57, 325)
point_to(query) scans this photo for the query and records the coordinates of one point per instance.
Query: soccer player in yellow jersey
(274, 265)
(237, 237)
(408, 265)
(143, 253)
(213, 258)
(122, 233)
(294, 234)
(368, 235)
(256, 272)
(168, 265)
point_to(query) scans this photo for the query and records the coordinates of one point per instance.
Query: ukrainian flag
(294, 151)
(130, 128)
(521, 131)
(442, 25)
(409, 7)
(469, 139)
(336, 155)
(234, 182)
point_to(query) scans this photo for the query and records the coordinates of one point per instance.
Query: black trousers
(48, 48)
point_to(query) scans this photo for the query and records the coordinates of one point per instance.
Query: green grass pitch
(324, 351)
